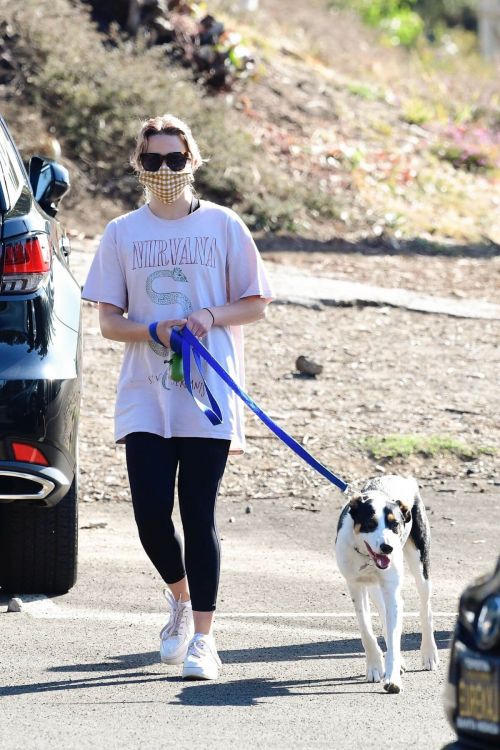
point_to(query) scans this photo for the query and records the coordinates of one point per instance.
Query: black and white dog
(379, 526)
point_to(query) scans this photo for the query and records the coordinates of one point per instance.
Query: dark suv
(40, 379)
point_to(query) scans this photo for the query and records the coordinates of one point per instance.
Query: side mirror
(49, 181)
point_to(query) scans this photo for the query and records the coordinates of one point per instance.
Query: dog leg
(374, 656)
(394, 616)
(378, 600)
(428, 648)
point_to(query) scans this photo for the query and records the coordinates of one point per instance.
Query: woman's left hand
(200, 322)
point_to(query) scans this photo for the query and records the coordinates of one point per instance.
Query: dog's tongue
(381, 561)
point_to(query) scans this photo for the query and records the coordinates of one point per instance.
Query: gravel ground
(385, 371)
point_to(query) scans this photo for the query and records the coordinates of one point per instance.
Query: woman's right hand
(164, 329)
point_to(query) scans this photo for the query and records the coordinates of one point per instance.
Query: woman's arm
(118, 328)
(114, 326)
(246, 310)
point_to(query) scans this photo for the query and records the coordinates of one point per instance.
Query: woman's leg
(201, 467)
(152, 464)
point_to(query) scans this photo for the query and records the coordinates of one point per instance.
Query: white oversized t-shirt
(163, 269)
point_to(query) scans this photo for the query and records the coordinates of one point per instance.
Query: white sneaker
(202, 661)
(178, 631)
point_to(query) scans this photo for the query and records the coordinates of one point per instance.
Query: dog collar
(361, 553)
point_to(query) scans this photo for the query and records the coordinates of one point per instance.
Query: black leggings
(152, 466)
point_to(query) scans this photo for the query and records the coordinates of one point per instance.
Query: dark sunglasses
(176, 161)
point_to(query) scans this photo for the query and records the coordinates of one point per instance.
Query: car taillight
(28, 454)
(27, 261)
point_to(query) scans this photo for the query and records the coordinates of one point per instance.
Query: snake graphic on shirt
(167, 298)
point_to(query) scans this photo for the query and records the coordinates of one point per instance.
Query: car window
(12, 176)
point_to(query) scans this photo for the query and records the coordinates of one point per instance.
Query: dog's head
(380, 523)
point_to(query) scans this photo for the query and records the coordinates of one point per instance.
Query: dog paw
(393, 686)
(430, 659)
(375, 670)
(374, 675)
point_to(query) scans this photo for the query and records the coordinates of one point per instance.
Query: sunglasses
(176, 161)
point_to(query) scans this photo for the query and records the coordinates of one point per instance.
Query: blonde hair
(169, 125)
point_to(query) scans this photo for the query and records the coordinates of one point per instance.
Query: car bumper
(472, 696)
(40, 485)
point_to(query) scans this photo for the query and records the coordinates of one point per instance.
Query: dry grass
(93, 97)
(336, 135)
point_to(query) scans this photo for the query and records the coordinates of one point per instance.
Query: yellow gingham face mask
(165, 184)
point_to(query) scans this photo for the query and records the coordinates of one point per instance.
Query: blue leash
(184, 342)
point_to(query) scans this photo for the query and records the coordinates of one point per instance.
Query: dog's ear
(405, 510)
(354, 504)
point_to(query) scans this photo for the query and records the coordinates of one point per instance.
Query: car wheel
(38, 546)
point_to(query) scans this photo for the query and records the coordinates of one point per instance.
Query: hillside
(335, 138)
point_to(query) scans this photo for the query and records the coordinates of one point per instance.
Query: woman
(177, 261)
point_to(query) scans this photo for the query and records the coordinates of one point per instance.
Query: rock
(15, 605)
(308, 366)
(232, 519)
(249, 509)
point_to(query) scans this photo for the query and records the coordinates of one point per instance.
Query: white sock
(204, 635)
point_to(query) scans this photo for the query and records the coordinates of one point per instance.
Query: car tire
(38, 546)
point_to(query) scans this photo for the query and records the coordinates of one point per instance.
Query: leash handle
(183, 342)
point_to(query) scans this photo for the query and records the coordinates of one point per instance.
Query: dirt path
(462, 278)
(385, 371)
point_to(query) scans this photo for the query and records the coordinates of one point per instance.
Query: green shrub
(363, 90)
(396, 18)
(460, 12)
(473, 148)
(403, 21)
(404, 27)
(417, 112)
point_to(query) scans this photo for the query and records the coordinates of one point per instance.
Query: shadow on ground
(377, 246)
(237, 692)
(251, 692)
(348, 647)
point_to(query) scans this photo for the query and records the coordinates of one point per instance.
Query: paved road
(83, 669)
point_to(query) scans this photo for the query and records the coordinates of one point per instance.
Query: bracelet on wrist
(211, 313)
